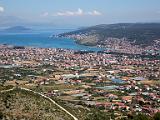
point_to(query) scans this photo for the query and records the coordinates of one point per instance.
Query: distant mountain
(17, 29)
(137, 33)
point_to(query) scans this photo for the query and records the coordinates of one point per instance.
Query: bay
(42, 39)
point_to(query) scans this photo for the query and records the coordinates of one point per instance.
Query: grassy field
(51, 87)
(151, 82)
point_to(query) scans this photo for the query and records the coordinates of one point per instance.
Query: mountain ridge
(17, 29)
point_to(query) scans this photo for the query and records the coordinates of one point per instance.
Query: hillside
(136, 33)
(22, 105)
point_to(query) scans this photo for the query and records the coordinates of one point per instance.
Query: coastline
(44, 41)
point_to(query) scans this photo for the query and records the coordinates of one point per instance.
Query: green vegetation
(157, 116)
(97, 115)
(75, 108)
(140, 34)
(19, 104)
(5, 87)
(143, 117)
(82, 112)
(51, 87)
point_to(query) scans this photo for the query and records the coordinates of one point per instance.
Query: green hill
(136, 33)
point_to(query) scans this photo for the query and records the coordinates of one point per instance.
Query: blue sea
(42, 39)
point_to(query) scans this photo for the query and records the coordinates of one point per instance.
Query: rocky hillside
(21, 105)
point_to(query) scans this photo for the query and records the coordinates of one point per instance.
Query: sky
(77, 12)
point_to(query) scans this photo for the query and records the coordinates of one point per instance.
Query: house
(138, 78)
(127, 99)
(111, 96)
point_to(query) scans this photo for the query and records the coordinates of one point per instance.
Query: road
(3, 91)
(45, 98)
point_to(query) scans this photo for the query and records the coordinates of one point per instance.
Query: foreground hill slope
(137, 33)
(19, 104)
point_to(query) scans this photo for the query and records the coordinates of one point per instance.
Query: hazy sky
(78, 12)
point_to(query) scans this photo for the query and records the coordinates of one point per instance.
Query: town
(120, 85)
(120, 45)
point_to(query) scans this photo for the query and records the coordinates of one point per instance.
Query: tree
(141, 117)
(97, 115)
(157, 116)
(1, 115)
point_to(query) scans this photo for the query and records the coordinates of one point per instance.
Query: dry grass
(150, 82)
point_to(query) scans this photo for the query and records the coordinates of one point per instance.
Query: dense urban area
(85, 85)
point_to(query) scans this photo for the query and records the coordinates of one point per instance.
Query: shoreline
(25, 47)
(149, 56)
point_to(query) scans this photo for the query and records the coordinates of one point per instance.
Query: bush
(97, 115)
(157, 116)
(1, 115)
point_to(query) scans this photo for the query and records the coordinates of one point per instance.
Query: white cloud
(95, 13)
(70, 13)
(1, 9)
(45, 14)
(79, 12)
